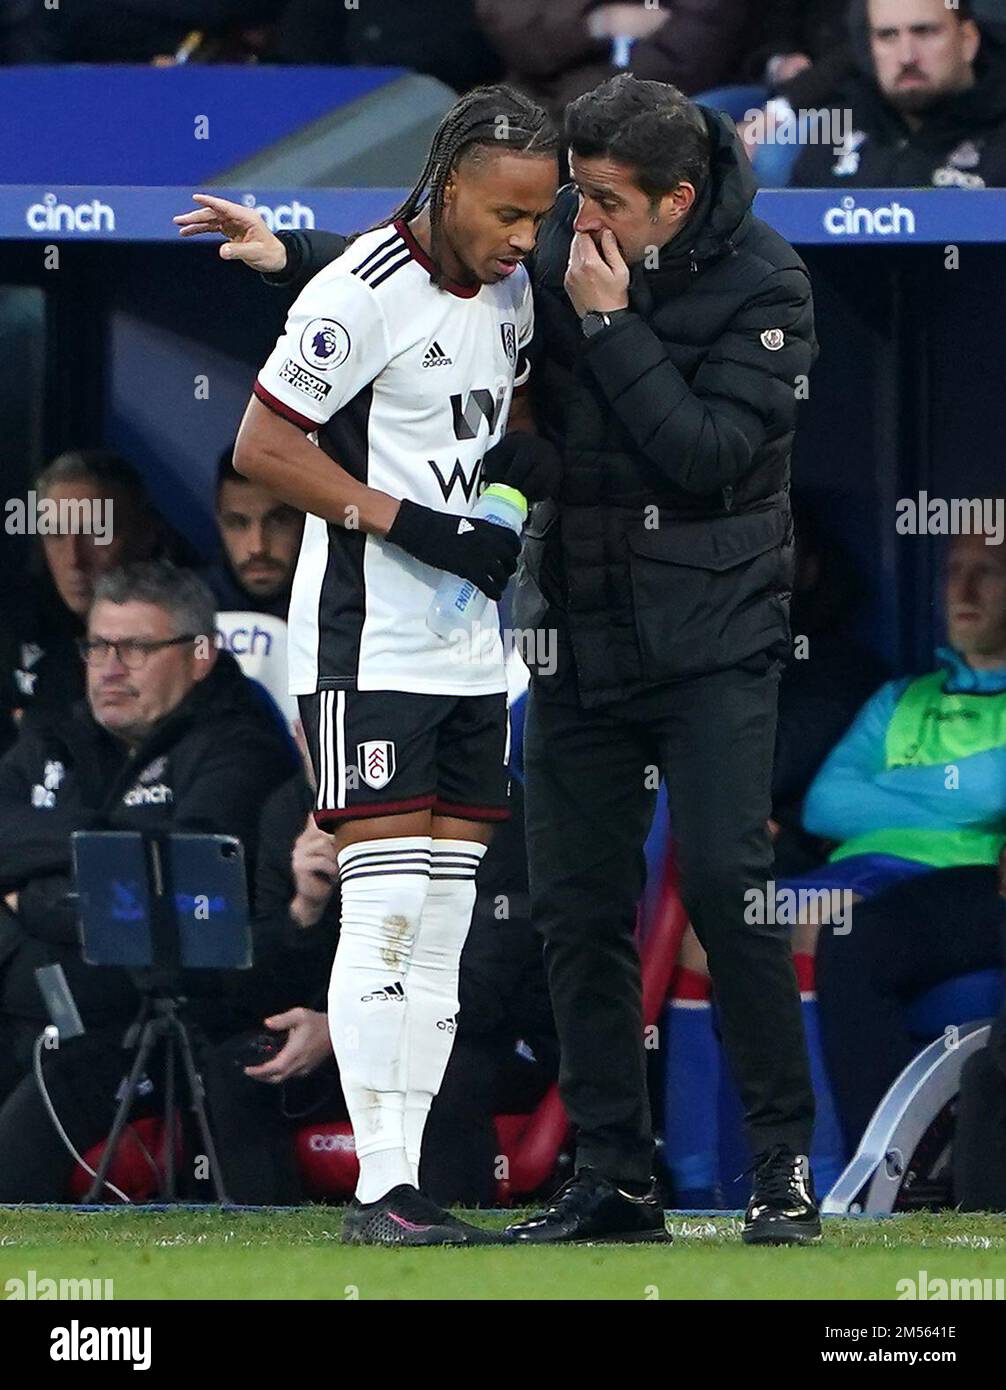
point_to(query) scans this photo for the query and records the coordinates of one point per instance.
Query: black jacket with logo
(960, 143)
(669, 550)
(208, 766)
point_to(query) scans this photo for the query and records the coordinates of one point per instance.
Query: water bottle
(458, 605)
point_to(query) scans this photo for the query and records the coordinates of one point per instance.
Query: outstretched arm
(288, 260)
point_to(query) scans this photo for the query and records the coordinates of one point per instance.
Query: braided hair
(496, 117)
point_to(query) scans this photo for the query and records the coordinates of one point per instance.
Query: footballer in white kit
(406, 386)
(374, 414)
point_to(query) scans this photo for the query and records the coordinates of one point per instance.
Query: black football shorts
(383, 752)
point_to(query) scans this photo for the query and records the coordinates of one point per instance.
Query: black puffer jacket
(670, 549)
(669, 552)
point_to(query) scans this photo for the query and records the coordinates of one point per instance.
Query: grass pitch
(296, 1254)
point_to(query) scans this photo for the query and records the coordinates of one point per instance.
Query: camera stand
(160, 1021)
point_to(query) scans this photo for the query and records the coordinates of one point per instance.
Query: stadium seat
(327, 1157)
(735, 101)
(131, 1169)
(957, 1001)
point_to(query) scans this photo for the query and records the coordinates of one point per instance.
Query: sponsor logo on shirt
(966, 156)
(434, 356)
(469, 411)
(304, 381)
(847, 163)
(956, 178)
(158, 795)
(458, 478)
(324, 344)
(43, 794)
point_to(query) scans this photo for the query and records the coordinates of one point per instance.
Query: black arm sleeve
(306, 254)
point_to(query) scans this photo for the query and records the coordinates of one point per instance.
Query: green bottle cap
(509, 494)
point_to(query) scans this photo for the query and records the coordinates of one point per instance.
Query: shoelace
(775, 1177)
(570, 1198)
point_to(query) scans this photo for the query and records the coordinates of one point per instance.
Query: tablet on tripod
(161, 905)
(162, 902)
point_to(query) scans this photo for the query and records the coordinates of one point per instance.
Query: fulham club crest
(376, 761)
(508, 332)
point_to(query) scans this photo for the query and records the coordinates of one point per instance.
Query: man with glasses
(170, 737)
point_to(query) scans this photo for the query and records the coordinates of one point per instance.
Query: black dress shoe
(592, 1208)
(783, 1208)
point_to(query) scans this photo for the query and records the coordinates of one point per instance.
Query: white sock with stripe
(384, 885)
(431, 1014)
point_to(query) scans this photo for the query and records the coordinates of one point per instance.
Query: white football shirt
(406, 386)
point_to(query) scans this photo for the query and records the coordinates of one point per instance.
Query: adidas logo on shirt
(464, 526)
(436, 357)
(391, 993)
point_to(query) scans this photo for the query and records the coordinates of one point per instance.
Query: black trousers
(589, 801)
(902, 942)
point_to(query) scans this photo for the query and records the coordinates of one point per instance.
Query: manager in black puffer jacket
(655, 581)
(676, 335)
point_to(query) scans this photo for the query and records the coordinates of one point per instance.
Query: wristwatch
(594, 320)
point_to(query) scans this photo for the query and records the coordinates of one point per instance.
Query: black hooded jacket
(670, 549)
(668, 552)
(961, 142)
(208, 766)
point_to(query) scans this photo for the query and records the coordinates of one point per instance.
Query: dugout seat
(137, 1168)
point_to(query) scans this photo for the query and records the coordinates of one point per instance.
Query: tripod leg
(170, 1119)
(199, 1106)
(148, 1037)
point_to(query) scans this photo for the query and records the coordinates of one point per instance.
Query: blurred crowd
(923, 83)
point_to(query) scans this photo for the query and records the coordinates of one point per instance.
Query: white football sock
(384, 885)
(431, 1015)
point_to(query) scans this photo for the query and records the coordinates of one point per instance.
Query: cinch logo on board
(50, 215)
(850, 220)
(285, 217)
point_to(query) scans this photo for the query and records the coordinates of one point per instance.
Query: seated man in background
(42, 668)
(505, 1055)
(170, 737)
(916, 795)
(260, 540)
(556, 50)
(928, 109)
